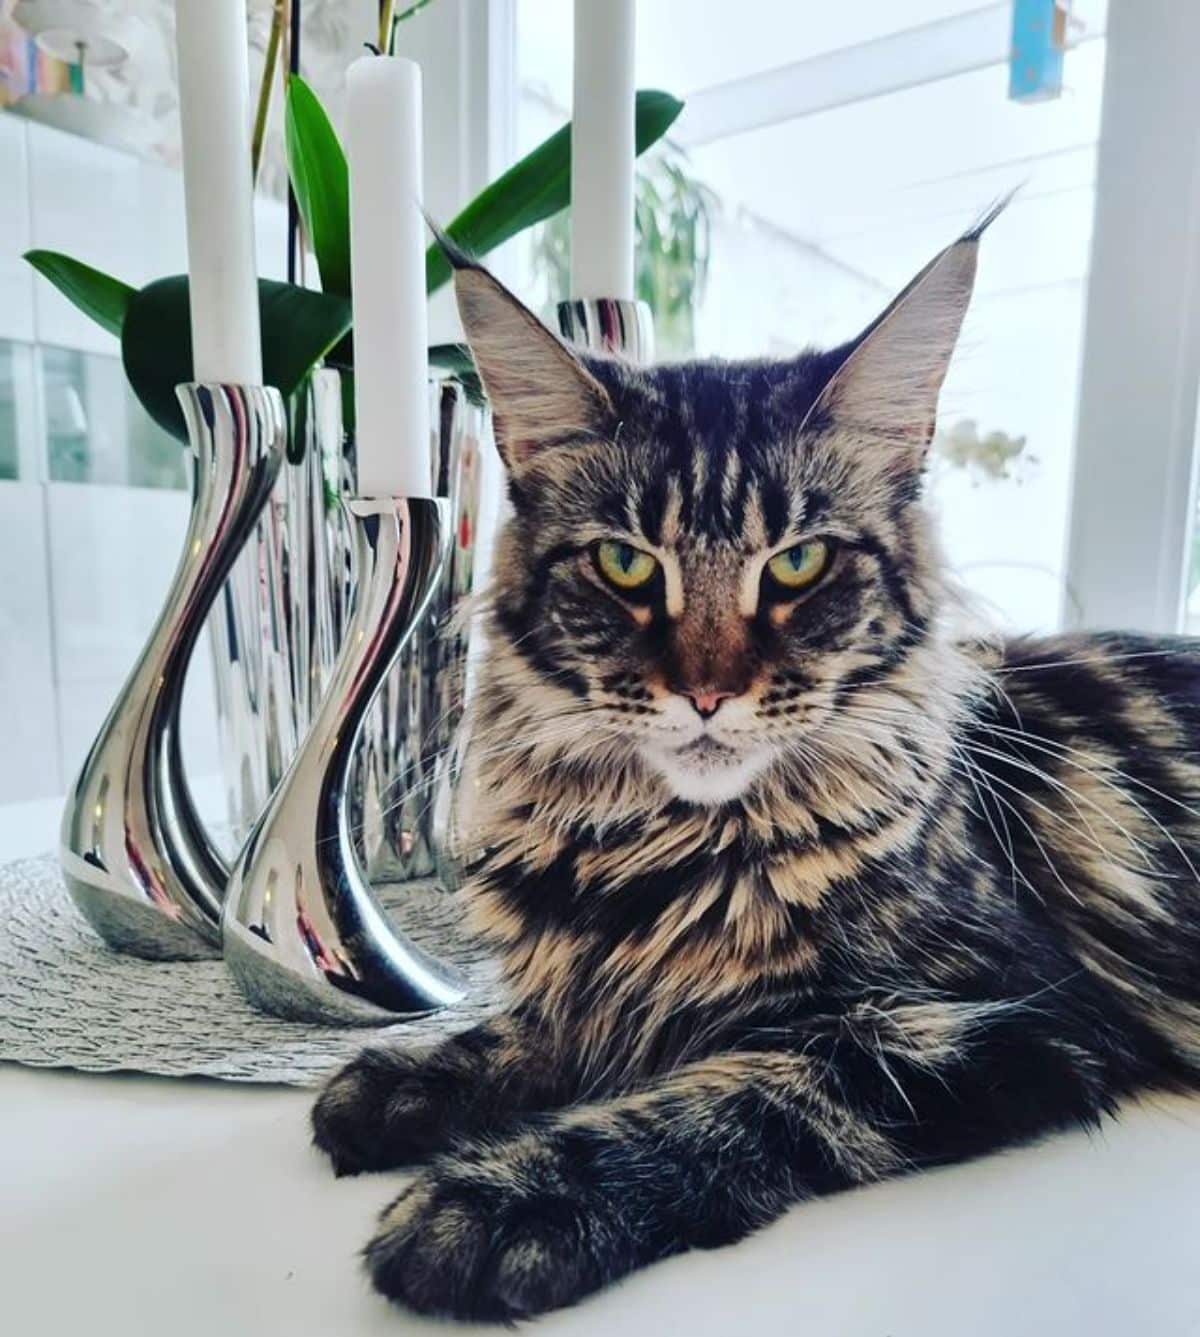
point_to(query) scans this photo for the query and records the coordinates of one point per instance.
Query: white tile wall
(113, 551)
(16, 278)
(85, 199)
(87, 564)
(163, 226)
(112, 554)
(29, 752)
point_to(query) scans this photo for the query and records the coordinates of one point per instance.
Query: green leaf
(298, 421)
(321, 182)
(452, 357)
(456, 358)
(537, 187)
(98, 295)
(298, 326)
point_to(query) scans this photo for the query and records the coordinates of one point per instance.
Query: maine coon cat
(792, 890)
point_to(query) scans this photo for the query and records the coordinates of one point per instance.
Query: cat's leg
(508, 1228)
(390, 1106)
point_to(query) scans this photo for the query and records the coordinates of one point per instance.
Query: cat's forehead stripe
(714, 501)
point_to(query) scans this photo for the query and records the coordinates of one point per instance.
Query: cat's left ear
(541, 394)
(887, 388)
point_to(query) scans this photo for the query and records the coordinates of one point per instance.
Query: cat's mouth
(706, 770)
(708, 749)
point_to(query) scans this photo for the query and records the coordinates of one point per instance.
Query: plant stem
(389, 25)
(387, 10)
(295, 244)
(270, 60)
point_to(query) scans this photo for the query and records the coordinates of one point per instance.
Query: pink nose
(707, 700)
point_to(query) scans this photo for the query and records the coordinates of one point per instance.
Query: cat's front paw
(500, 1233)
(385, 1109)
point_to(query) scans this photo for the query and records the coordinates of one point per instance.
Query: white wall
(84, 566)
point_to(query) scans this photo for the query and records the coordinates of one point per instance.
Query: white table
(135, 1205)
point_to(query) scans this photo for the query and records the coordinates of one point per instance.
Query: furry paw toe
(477, 1242)
(378, 1113)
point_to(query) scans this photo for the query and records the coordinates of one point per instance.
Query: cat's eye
(799, 567)
(624, 566)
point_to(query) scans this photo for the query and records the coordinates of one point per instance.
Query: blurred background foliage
(674, 217)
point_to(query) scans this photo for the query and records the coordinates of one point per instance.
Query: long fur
(900, 901)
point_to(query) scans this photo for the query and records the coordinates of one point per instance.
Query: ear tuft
(456, 256)
(887, 389)
(989, 215)
(541, 394)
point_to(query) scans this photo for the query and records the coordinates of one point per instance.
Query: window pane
(687, 45)
(10, 456)
(96, 430)
(20, 454)
(811, 225)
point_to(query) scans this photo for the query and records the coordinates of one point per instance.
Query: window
(16, 393)
(811, 222)
(98, 432)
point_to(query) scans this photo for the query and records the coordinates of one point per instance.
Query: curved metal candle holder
(304, 935)
(608, 325)
(135, 855)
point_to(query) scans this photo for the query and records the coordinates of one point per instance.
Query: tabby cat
(793, 890)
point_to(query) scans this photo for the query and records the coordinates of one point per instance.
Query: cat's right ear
(541, 394)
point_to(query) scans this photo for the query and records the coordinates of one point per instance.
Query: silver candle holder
(136, 857)
(611, 325)
(282, 617)
(304, 935)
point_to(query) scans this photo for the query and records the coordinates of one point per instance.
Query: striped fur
(900, 901)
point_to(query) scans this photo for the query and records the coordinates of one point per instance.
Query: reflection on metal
(137, 860)
(303, 933)
(608, 325)
(282, 618)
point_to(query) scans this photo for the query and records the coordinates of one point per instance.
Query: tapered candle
(602, 150)
(214, 111)
(387, 278)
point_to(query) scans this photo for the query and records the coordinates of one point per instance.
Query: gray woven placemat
(68, 1001)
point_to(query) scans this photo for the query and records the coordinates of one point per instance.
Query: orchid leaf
(98, 295)
(299, 326)
(457, 359)
(321, 182)
(537, 187)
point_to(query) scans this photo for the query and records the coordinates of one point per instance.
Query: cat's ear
(887, 388)
(541, 394)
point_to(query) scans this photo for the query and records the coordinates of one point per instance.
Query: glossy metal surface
(276, 629)
(282, 617)
(402, 774)
(136, 857)
(303, 933)
(608, 325)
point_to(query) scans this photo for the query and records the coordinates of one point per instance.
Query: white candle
(602, 150)
(214, 109)
(387, 278)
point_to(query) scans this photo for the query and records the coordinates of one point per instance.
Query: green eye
(801, 566)
(623, 566)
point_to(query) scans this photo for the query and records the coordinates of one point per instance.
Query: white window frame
(1133, 492)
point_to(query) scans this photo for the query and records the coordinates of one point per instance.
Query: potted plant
(301, 327)
(277, 627)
